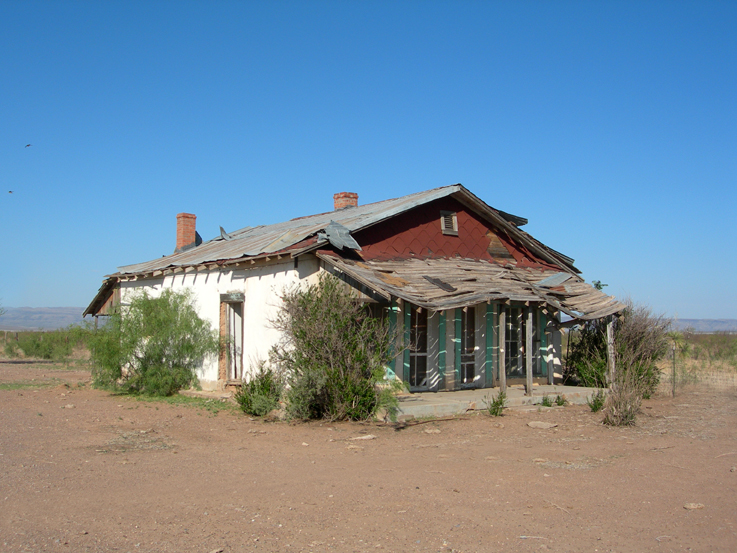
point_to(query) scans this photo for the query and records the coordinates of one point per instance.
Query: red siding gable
(418, 234)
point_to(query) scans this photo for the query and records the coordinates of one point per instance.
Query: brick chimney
(186, 232)
(345, 199)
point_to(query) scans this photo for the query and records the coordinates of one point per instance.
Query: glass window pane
(418, 331)
(417, 370)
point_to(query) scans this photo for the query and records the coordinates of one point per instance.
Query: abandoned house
(481, 301)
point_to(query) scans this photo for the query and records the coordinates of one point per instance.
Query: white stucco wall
(261, 286)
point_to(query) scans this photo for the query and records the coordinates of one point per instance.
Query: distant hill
(35, 318)
(706, 325)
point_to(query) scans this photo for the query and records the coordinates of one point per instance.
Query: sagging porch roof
(440, 284)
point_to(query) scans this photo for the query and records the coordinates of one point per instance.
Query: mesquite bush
(333, 353)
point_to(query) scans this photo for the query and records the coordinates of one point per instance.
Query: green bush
(152, 346)
(586, 360)
(260, 395)
(12, 349)
(333, 354)
(547, 401)
(717, 346)
(640, 341)
(56, 345)
(624, 400)
(495, 405)
(596, 401)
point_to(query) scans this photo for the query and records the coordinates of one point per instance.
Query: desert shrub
(586, 358)
(624, 400)
(45, 347)
(596, 401)
(56, 345)
(495, 405)
(709, 348)
(12, 349)
(261, 394)
(333, 353)
(641, 339)
(153, 345)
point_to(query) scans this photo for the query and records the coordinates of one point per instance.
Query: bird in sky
(10, 191)
(29, 145)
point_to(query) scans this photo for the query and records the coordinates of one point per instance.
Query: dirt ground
(83, 470)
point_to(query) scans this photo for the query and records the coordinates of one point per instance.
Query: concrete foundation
(443, 404)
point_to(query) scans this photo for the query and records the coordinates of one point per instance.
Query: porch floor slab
(442, 404)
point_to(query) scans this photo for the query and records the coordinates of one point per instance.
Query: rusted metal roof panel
(253, 241)
(281, 237)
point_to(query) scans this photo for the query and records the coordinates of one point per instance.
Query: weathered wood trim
(502, 353)
(398, 356)
(443, 348)
(449, 348)
(457, 348)
(611, 369)
(528, 351)
(223, 357)
(489, 319)
(406, 309)
(548, 330)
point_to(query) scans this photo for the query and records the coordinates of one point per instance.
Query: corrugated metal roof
(253, 241)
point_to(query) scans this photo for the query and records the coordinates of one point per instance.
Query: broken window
(449, 223)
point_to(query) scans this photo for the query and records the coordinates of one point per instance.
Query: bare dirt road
(82, 470)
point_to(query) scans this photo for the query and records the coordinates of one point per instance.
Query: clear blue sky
(611, 126)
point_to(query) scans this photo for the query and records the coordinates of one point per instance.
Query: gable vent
(449, 223)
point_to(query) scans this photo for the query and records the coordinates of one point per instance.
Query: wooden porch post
(611, 369)
(223, 357)
(528, 351)
(502, 344)
(549, 352)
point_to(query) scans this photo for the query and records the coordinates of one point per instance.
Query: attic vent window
(449, 223)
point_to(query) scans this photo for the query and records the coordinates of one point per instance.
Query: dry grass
(705, 359)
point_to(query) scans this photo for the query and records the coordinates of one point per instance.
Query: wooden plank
(546, 339)
(502, 346)
(223, 357)
(442, 348)
(528, 352)
(457, 350)
(610, 350)
(407, 318)
(489, 365)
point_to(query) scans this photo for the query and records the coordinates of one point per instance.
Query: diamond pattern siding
(418, 234)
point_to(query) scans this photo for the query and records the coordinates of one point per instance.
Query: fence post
(674, 369)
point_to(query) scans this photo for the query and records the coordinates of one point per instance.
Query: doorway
(231, 330)
(515, 335)
(418, 341)
(469, 378)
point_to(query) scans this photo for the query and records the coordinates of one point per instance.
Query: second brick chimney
(345, 199)
(186, 232)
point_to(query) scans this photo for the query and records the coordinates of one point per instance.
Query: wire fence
(710, 363)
